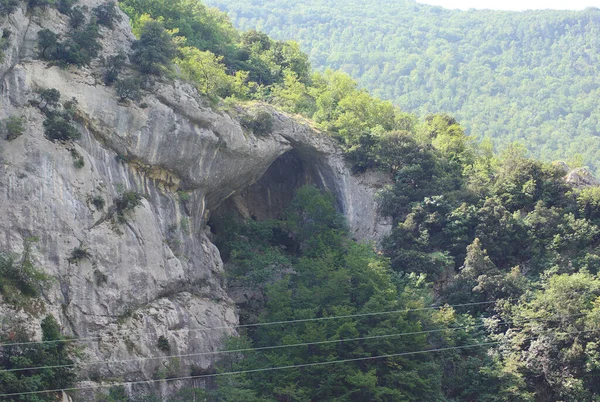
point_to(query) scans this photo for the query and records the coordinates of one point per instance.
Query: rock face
(157, 272)
(581, 178)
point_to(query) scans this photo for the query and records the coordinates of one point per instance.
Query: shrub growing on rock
(128, 201)
(128, 88)
(107, 14)
(260, 124)
(58, 128)
(14, 127)
(114, 64)
(154, 50)
(8, 6)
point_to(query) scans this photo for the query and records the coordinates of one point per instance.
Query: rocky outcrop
(156, 272)
(581, 178)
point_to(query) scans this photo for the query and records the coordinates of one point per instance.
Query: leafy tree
(77, 18)
(208, 73)
(16, 362)
(57, 127)
(128, 88)
(543, 94)
(107, 14)
(8, 6)
(65, 6)
(154, 50)
(557, 352)
(48, 40)
(14, 127)
(40, 3)
(50, 98)
(114, 64)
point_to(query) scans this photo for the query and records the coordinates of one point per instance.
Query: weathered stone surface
(581, 178)
(157, 273)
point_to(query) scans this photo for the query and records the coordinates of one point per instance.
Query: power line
(273, 368)
(266, 347)
(260, 324)
(246, 349)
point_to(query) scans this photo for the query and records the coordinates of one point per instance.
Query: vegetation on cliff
(486, 288)
(530, 77)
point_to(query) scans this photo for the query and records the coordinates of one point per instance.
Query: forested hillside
(485, 289)
(530, 77)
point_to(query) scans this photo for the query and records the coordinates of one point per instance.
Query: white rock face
(157, 273)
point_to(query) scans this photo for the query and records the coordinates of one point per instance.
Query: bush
(98, 202)
(128, 88)
(24, 353)
(14, 127)
(77, 17)
(19, 278)
(154, 50)
(48, 43)
(128, 201)
(163, 344)
(40, 3)
(78, 49)
(78, 254)
(78, 160)
(65, 6)
(114, 65)
(8, 6)
(260, 124)
(107, 14)
(49, 98)
(58, 128)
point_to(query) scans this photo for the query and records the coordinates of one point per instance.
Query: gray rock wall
(157, 273)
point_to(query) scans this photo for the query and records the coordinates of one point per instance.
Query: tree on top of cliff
(154, 50)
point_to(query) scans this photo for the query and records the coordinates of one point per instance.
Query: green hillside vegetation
(530, 77)
(491, 267)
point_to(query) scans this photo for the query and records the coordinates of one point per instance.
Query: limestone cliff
(156, 272)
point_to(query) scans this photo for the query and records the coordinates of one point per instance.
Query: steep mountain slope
(118, 219)
(530, 77)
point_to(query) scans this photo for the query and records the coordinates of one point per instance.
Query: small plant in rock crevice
(78, 254)
(163, 344)
(127, 202)
(14, 127)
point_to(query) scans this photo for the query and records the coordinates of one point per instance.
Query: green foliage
(77, 17)
(14, 127)
(65, 6)
(261, 123)
(7, 7)
(163, 344)
(107, 14)
(98, 202)
(20, 280)
(59, 127)
(323, 273)
(206, 70)
(128, 88)
(426, 59)
(79, 48)
(127, 202)
(78, 160)
(48, 42)
(154, 50)
(50, 98)
(40, 3)
(15, 377)
(78, 254)
(114, 64)
(552, 353)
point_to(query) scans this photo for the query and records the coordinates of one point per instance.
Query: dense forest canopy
(491, 266)
(530, 77)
